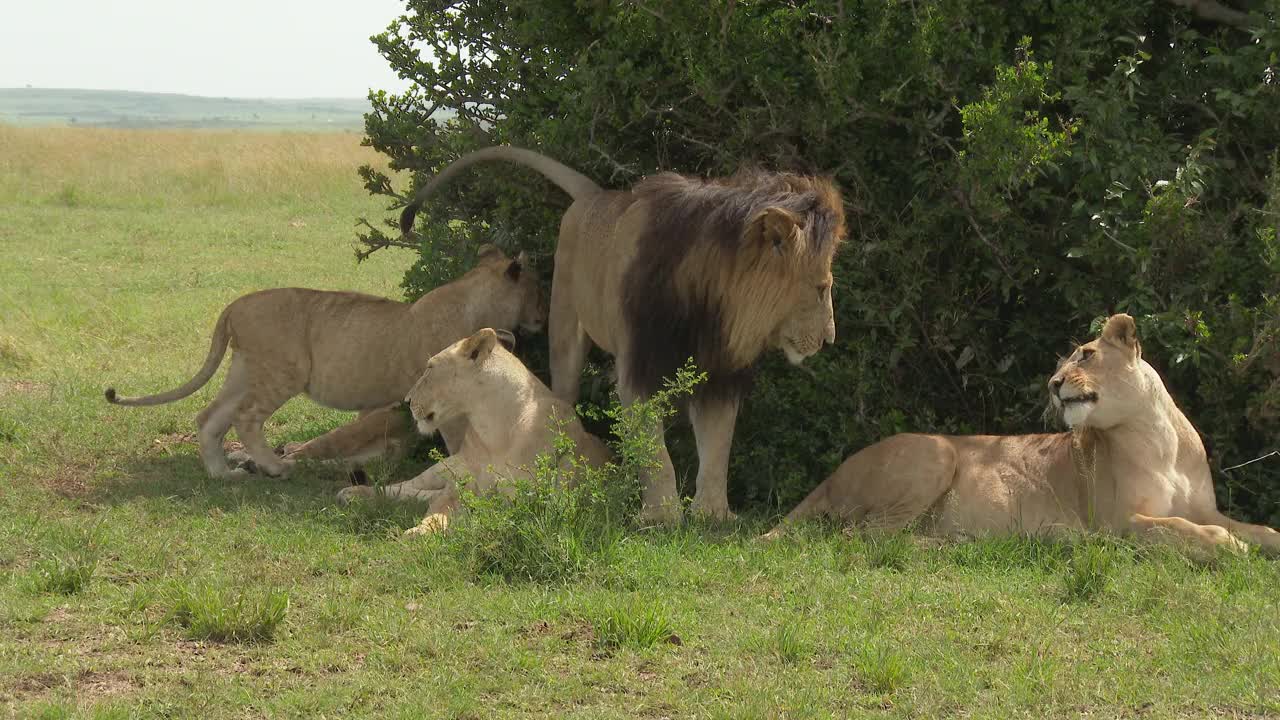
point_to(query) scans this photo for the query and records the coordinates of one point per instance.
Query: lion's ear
(478, 346)
(507, 339)
(1122, 332)
(488, 251)
(776, 229)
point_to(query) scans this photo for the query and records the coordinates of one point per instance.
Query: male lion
(509, 415)
(346, 350)
(678, 268)
(1132, 463)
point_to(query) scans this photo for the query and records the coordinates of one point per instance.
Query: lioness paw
(347, 494)
(430, 525)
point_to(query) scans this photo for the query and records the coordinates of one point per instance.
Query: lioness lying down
(345, 350)
(510, 417)
(1132, 463)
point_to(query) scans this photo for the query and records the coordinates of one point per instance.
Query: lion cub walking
(510, 418)
(345, 350)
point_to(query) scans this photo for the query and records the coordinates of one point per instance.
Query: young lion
(1133, 463)
(510, 417)
(345, 350)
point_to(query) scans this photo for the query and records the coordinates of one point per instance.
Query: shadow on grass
(180, 482)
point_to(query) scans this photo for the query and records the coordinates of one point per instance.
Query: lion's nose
(1056, 385)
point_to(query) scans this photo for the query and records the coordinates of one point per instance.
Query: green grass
(213, 611)
(63, 574)
(634, 624)
(183, 611)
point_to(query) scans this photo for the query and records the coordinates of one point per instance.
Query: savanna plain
(131, 585)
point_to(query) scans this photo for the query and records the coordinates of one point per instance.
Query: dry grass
(103, 166)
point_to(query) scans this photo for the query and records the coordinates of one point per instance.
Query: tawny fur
(509, 416)
(720, 271)
(386, 432)
(1133, 463)
(345, 350)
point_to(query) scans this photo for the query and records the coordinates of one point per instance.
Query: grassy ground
(132, 586)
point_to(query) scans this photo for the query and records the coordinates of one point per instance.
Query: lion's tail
(217, 348)
(568, 179)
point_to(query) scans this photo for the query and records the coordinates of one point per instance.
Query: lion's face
(516, 290)
(453, 377)
(804, 317)
(1100, 384)
(811, 321)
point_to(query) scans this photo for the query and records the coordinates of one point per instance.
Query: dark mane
(709, 221)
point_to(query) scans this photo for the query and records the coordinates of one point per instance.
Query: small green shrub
(566, 516)
(12, 355)
(881, 668)
(636, 625)
(69, 196)
(789, 643)
(1088, 572)
(64, 574)
(214, 612)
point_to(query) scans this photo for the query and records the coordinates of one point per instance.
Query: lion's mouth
(795, 352)
(1091, 397)
(427, 425)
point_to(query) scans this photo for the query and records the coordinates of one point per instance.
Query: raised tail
(568, 179)
(217, 348)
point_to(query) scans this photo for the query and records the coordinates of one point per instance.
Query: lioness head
(454, 379)
(800, 310)
(518, 295)
(1101, 383)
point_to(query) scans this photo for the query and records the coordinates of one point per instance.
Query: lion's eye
(1086, 353)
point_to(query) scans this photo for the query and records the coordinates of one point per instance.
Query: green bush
(565, 517)
(1012, 172)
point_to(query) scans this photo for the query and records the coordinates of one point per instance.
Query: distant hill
(113, 108)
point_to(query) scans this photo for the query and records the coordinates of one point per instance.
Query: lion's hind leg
(215, 420)
(253, 410)
(569, 345)
(886, 485)
(373, 434)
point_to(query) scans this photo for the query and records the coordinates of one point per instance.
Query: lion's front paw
(239, 458)
(347, 494)
(712, 512)
(664, 514)
(430, 525)
(1236, 545)
(773, 534)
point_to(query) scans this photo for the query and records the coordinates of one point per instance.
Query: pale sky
(234, 48)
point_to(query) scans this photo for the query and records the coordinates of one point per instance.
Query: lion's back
(347, 347)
